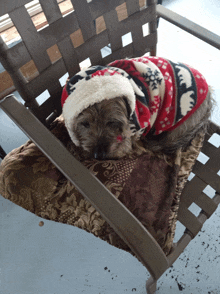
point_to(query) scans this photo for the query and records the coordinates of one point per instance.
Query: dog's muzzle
(100, 151)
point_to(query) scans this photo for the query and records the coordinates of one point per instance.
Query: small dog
(131, 104)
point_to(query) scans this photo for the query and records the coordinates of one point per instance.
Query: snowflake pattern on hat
(161, 94)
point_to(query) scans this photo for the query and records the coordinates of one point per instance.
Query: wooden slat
(132, 6)
(84, 17)
(189, 220)
(213, 128)
(209, 176)
(206, 204)
(59, 30)
(34, 43)
(192, 191)
(111, 21)
(208, 149)
(51, 10)
(214, 161)
(43, 81)
(92, 46)
(18, 55)
(8, 6)
(69, 56)
(99, 8)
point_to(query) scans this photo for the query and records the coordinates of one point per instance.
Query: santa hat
(91, 86)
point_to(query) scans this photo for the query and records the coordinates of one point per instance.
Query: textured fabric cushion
(148, 185)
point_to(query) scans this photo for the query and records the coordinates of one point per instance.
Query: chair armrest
(189, 26)
(112, 210)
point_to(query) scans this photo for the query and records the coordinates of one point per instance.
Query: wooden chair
(83, 34)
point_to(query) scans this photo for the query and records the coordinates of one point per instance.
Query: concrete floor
(58, 258)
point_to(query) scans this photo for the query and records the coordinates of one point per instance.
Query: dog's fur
(181, 137)
(103, 130)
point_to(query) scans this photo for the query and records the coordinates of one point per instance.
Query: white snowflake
(152, 78)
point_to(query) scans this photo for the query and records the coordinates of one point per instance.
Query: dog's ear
(128, 108)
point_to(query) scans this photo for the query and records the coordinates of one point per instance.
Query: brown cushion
(148, 185)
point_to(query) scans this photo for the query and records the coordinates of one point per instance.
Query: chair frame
(34, 120)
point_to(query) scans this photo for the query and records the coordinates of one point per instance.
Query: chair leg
(151, 286)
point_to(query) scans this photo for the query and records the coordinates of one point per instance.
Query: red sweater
(161, 94)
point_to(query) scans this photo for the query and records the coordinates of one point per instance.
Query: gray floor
(58, 258)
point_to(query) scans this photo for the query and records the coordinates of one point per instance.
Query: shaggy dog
(110, 110)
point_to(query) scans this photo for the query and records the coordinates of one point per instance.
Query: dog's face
(103, 129)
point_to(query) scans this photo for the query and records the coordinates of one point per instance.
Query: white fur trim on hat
(94, 90)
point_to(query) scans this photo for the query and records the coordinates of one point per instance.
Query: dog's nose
(100, 151)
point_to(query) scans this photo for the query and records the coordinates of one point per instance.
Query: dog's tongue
(119, 138)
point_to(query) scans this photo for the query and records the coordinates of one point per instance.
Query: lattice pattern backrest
(203, 190)
(83, 33)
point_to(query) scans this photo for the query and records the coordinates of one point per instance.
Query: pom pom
(119, 138)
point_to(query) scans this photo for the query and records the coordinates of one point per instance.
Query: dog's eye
(114, 124)
(85, 124)
(111, 124)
